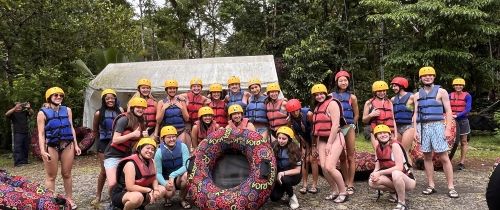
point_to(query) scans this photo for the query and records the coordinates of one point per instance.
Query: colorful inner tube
(84, 136)
(253, 191)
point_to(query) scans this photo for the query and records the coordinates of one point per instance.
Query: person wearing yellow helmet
(256, 108)
(103, 130)
(327, 120)
(378, 110)
(144, 91)
(461, 105)
(237, 120)
(392, 170)
(276, 113)
(204, 126)
(432, 110)
(170, 160)
(236, 95)
(57, 141)
(195, 100)
(288, 158)
(218, 104)
(136, 174)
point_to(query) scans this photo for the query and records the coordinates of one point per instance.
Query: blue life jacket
(106, 125)
(236, 99)
(256, 110)
(402, 114)
(429, 109)
(345, 98)
(173, 117)
(283, 160)
(171, 160)
(297, 125)
(57, 125)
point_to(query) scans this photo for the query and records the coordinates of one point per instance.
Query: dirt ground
(470, 183)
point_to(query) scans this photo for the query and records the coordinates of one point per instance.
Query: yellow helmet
(195, 81)
(168, 130)
(216, 87)
(318, 88)
(273, 87)
(235, 108)
(379, 86)
(381, 128)
(146, 82)
(205, 110)
(146, 140)
(286, 130)
(233, 80)
(108, 91)
(137, 102)
(171, 83)
(51, 91)
(427, 70)
(253, 81)
(458, 81)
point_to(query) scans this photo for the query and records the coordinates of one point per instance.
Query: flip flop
(430, 190)
(303, 190)
(453, 193)
(185, 204)
(312, 190)
(351, 190)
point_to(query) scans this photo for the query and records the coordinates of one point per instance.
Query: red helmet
(401, 81)
(342, 73)
(293, 105)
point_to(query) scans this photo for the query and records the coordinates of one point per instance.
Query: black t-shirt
(20, 121)
(111, 152)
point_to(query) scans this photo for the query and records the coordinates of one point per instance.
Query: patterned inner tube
(253, 191)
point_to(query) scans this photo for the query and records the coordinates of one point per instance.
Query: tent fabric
(122, 77)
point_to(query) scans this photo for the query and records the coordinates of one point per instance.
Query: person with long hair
(327, 120)
(57, 141)
(218, 104)
(256, 108)
(461, 105)
(136, 174)
(403, 112)
(275, 109)
(351, 114)
(204, 126)
(237, 119)
(144, 91)
(287, 152)
(103, 130)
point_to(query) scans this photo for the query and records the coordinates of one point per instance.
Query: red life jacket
(322, 123)
(203, 134)
(386, 116)
(242, 125)
(150, 113)
(195, 103)
(147, 173)
(457, 102)
(125, 147)
(275, 114)
(386, 159)
(219, 107)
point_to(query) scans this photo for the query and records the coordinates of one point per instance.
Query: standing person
(170, 162)
(103, 129)
(301, 122)
(288, 158)
(19, 116)
(378, 110)
(276, 109)
(195, 100)
(57, 141)
(236, 95)
(351, 114)
(392, 171)
(461, 104)
(237, 120)
(327, 118)
(218, 104)
(431, 102)
(144, 91)
(136, 175)
(256, 108)
(128, 128)
(403, 112)
(204, 126)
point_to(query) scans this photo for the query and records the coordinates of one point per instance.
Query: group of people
(144, 150)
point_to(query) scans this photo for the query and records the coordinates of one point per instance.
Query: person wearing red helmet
(402, 104)
(351, 114)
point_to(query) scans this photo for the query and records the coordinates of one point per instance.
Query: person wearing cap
(327, 120)
(218, 104)
(379, 110)
(288, 160)
(236, 95)
(461, 105)
(351, 114)
(403, 111)
(136, 174)
(170, 160)
(237, 119)
(432, 110)
(144, 91)
(57, 141)
(256, 108)
(204, 126)
(392, 170)
(275, 109)
(103, 130)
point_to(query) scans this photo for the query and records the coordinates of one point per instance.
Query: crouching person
(171, 160)
(136, 178)
(392, 171)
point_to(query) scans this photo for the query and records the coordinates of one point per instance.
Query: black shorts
(117, 199)
(102, 144)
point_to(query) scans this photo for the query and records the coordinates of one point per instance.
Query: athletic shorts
(463, 126)
(403, 128)
(102, 144)
(110, 163)
(346, 128)
(432, 138)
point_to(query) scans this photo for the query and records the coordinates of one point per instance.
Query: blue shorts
(463, 127)
(111, 163)
(433, 137)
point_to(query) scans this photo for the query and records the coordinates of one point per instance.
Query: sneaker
(294, 203)
(461, 167)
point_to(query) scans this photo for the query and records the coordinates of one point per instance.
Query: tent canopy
(122, 77)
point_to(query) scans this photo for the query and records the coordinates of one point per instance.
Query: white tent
(122, 77)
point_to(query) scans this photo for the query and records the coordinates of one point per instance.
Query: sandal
(350, 190)
(343, 197)
(185, 204)
(168, 203)
(393, 197)
(332, 196)
(430, 190)
(312, 190)
(453, 193)
(400, 206)
(303, 190)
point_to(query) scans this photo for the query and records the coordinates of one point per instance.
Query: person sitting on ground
(237, 120)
